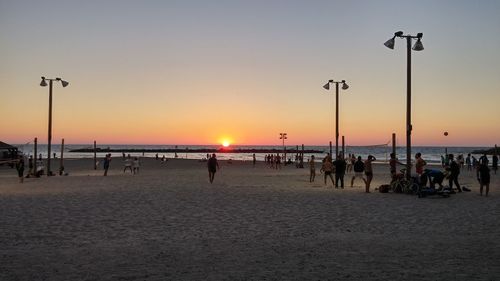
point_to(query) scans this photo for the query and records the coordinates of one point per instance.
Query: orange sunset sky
(200, 72)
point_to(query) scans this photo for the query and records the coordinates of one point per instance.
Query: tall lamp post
(43, 84)
(344, 87)
(417, 47)
(283, 136)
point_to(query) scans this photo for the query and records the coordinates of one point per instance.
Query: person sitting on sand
(212, 165)
(327, 168)
(312, 169)
(359, 169)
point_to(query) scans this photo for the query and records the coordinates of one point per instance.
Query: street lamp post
(417, 47)
(44, 84)
(283, 136)
(344, 87)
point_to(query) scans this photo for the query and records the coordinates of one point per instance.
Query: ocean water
(431, 154)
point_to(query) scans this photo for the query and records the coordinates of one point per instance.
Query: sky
(201, 72)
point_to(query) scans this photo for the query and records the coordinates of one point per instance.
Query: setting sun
(225, 143)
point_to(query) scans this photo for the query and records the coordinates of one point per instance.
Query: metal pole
(35, 157)
(336, 120)
(95, 156)
(331, 149)
(394, 143)
(343, 146)
(408, 108)
(49, 172)
(61, 164)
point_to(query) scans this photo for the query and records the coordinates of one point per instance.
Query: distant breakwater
(191, 150)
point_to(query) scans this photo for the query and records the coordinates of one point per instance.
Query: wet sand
(169, 223)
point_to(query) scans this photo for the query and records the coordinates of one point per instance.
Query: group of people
(452, 167)
(362, 170)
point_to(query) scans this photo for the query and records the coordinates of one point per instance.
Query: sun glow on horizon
(226, 143)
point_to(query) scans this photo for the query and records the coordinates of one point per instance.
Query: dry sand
(169, 223)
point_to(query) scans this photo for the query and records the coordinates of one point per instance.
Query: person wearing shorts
(359, 169)
(312, 169)
(327, 168)
(483, 176)
(369, 172)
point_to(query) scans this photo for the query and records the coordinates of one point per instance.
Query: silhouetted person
(393, 165)
(107, 161)
(468, 162)
(434, 177)
(254, 160)
(135, 165)
(340, 168)
(327, 168)
(359, 169)
(419, 164)
(20, 168)
(483, 176)
(212, 165)
(312, 169)
(454, 169)
(30, 166)
(369, 172)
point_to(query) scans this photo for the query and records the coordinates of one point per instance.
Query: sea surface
(431, 154)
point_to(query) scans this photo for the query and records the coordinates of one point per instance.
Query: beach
(169, 223)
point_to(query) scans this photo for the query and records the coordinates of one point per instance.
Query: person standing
(419, 164)
(369, 172)
(312, 169)
(468, 162)
(359, 169)
(483, 176)
(212, 165)
(107, 160)
(254, 160)
(327, 168)
(454, 169)
(30, 166)
(20, 168)
(340, 168)
(135, 165)
(495, 163)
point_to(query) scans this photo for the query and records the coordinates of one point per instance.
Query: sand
(170, 223)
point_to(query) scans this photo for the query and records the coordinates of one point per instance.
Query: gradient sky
(197, 72)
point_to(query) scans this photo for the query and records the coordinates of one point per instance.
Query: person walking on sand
(312, 169)
(212, 165)
(327, 168)
(340, 168)
(359, 169)
(454, 169)
(369, 172)
(483, 176)
(20, 168)
(107, 161)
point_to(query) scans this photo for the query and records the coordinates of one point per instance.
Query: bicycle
(400, 184)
